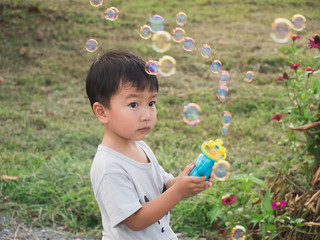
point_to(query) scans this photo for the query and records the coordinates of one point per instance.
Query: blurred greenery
(48, 134)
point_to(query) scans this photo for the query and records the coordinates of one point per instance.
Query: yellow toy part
(214, 149)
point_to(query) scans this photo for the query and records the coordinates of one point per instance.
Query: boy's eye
(133, 105)
(151, 104)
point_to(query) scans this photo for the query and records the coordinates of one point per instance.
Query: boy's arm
(179, 188)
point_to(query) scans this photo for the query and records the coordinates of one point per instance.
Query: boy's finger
(188, 169)
(198, 179)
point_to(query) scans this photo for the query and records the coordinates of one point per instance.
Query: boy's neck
(126, 147)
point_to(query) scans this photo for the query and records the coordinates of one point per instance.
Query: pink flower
(284, 76)
(228, 199)
(294, 37)
(277, 117)
(308, 69)
(278, 205)
(294, 66)
(314, 42)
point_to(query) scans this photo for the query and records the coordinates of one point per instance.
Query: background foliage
(48, 134)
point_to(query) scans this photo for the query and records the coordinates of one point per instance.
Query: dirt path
(21, 231)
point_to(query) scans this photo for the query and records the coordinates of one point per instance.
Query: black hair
(114, 69)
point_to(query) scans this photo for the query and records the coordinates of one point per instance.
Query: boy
(133, 191)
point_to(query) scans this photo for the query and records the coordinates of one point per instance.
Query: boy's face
(132, 114)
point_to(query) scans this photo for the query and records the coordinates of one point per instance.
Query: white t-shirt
(121, 185)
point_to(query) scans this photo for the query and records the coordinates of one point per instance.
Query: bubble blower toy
(212, 152)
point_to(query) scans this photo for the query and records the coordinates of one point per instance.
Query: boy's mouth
(145, 129)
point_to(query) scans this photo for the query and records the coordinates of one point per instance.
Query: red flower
(228, 199)
(277, 117)
(284, 76)
(314, 42)
(294, 66)
(294, 37)
(278, 205)
(308, 69)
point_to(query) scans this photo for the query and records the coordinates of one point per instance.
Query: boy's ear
(101, 112)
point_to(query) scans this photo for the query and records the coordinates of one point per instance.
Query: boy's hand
(188, 186)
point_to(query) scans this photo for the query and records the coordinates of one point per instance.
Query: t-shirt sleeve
(118, 197)
(166, 176)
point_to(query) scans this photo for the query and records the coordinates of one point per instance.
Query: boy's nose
(145, 115)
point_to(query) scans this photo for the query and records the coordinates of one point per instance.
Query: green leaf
(246, 178)
(214, 213)
(215, 199)
(263, 230)
(315, 86)
(271, 227)
(258, 181)
(240, 177)
(255, 217)
(266, 204)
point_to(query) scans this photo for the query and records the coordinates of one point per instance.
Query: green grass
(48, 134)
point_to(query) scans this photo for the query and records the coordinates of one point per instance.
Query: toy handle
(203, 166)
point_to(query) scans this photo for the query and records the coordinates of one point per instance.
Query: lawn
(48, 133)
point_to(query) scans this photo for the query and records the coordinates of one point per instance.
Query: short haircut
(114, 69)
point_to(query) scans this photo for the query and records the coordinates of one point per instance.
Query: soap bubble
(181, 18)
(226, 118)
(145, 32)
(96, 3)
(238, 233)
(188, 44)
(225, 130)
(221, 170)
(224, 77)
(191, 114)
(178, 34)
(161, 41)
(222, 93)
(167, 66)
(156, 22)
(216, 66)
(111, 14)
(91, 45)
(206, 51)
(299, 22)
(281, 30)
(152, 67)
(249, 76)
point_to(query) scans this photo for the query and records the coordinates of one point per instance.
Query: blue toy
(212, 151)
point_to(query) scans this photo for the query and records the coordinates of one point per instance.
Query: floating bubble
(152, 67)
(181, 18)
(96, 3)
(224, 77)
(156, 22)
(216, 66)
(225, 130)
(188, 44)
(191, 114)
(249, 76)
(221, 170)
(299, 22)
(222, 93)
(226, 118)
(178, 34)
(161, 41)
(167, 66)
(111, 14)
(238, 233)
(281, 30)
(206, 51)
(145, 32)
(91, 45)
